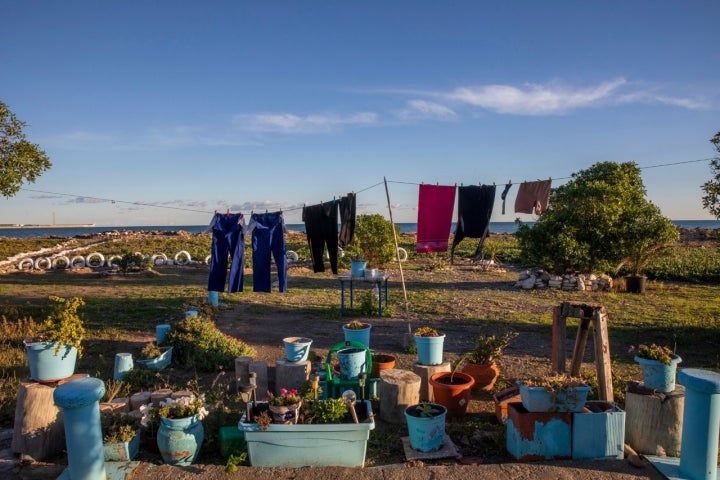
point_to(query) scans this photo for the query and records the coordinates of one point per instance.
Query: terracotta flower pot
(485, 376)
(381, 361)
(452, 394)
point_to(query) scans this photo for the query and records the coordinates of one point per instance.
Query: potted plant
(357, 331)
(121, 436)
(659, 365)
(52, 353)
(284, 408)
(154, 357)
(297, 349)
(452, 389)
(555, 392)
(181, 431)
(326, 424)
(381, 361)
(357, 266)
(426, 426)
(429, 343)
(481, 362)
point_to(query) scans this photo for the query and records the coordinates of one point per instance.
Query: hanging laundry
(227, 239)
(321, 223)
(435, 209)
(268, 237)
(347, 220)
(533, 197)
(475, 205)
(504, 194)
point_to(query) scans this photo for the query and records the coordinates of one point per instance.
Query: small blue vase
(179, 439)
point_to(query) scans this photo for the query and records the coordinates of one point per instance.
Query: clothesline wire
(169, 207)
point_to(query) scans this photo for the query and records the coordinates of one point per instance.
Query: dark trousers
(475, 205)
(347, 220)
(321, 223)
(227, 239)
(268, 237)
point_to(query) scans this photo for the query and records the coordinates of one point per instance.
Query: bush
(374, 241)
(197, 343)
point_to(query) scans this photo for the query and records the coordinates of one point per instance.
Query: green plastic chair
(335, 384)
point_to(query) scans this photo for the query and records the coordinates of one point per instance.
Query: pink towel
(533, 197)
(435, 209)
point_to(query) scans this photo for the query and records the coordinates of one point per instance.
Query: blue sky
(194, 107)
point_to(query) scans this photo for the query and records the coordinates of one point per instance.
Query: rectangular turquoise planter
(599, 431)
(532, 436)
(342, 444)
(159, 362)
(122, 451)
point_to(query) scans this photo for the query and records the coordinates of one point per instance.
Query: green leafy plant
(489, 348)
(118, 427)
(183, 407)
(555, 382)
(286, 397)
(197, 343)
(373, 241)
(332, 410)
(426, 409)
(368, 304)
(356, 325)
(64, 325)
(655, 352)
(426, 331)
(133, 261)
(150, 351)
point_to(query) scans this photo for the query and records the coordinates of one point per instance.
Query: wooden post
(398, 390)
(602, 355)
(580, 344)
(559, 330)
(38, 431)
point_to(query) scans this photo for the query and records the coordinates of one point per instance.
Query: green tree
(711, 199)
(595, 221)
(20, 160)
(373, 240)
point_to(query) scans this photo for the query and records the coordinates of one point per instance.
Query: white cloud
(534, 99)
(291, 123)
(425, 110)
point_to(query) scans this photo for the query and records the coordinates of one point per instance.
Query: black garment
(321, 223)
(347, 220)
(504, 194)
(475, 204)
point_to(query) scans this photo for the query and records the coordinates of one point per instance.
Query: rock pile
(529, 279)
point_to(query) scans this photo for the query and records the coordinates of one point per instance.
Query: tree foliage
(20, 160)
(596, 221)
(711, 199)
(373, 240)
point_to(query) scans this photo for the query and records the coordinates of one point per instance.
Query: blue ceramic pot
(45, 365)
(179, 439)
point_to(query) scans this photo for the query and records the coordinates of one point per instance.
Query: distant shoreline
(22, 226)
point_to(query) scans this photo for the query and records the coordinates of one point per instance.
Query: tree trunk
(653, 422)
(39, 432)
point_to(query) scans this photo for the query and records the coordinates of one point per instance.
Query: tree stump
(398, 390)
(290, 375)
(425, 372)
(653, 421)
(39, 432)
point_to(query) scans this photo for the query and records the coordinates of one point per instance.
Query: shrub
(374, 241)
(197, 343)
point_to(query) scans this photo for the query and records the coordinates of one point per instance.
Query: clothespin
(227, 214)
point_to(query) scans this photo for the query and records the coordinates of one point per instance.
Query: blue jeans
(268, 237)
(227, 239)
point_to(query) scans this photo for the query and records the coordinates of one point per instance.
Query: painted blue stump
(123, 364)
(213, 298)
(78, 400)
(701, 423)
(161, 332)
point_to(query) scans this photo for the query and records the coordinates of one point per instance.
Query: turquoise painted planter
(533, 436)
(317, 445)
(179, 439)
(599, 431)
(360, 335)
(159, 362)
(658, 376)
(426, 434)
(357, 269)
(296, 348)
(122, 451)
(539, 399)
(430, 349)
(45, 366)
(352, 362)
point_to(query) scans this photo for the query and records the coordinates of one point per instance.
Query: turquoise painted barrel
(361, 335)
(658, 376)
(78, 400)
(161, 332)
(701, 421)
(123, 364)
(427, 434)
(213, 298)
(430, 349)
(45, 365)
(179, 439)
(297, 349)
(353, 362)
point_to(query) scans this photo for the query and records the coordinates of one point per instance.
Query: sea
(69, 232)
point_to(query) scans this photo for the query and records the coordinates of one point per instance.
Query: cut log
(653, 421)
(398, 390)
(39, 432)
